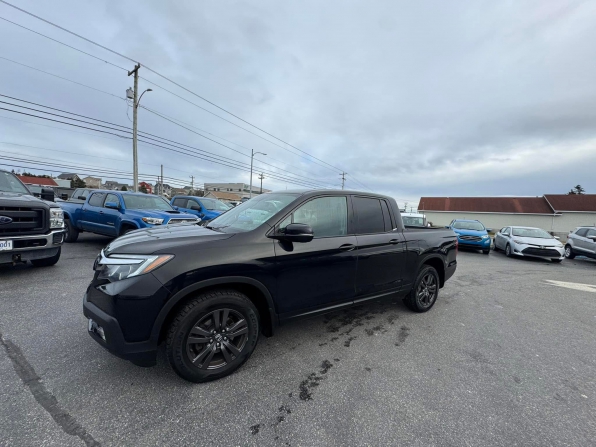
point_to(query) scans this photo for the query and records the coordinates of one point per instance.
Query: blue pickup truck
(114, 213)
(203, 207)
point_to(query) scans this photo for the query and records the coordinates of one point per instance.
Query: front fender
(128, 222)
(176, 298)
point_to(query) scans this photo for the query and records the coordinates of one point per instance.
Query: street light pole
(252, 155)
(135, 105)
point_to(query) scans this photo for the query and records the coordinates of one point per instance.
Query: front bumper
(126, 312)
(533, 251)
(31, 247)
(483, 244)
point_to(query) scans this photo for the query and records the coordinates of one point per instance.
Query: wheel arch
(253, 289)
(437, 263)
(127, 224)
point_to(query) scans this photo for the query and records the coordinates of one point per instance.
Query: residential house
(115, 186)
(163, 189)
(556, 213)
(147, 186)
(36, 184)
(69, 176)
(92, 182)
(242, 189)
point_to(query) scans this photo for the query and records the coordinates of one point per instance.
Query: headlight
(119, 267)
(56, 218)
(517, 241)
(153, 220)
(485, 236)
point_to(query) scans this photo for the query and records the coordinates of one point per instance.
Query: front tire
(486, 252)
(71, 233)
(569, 252)
(425, 292)
(212, 335)
(508, 251)
(47, 262)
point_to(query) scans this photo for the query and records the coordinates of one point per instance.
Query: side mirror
(47, 194)
(489, 230)
(82, 198)
(557, 237)
(296, 232)
(175, 207)
(592, 237)
(64, 196)
(195, 207)
(112, 205)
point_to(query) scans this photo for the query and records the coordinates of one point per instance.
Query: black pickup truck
(209, 291)
(31, 229)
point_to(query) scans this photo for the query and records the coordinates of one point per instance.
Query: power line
(62, 43)
(210, 158)
(60, 77)
(310, 182)
(163, 77)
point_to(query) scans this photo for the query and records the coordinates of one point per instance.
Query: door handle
(394, 241)
(347, 247)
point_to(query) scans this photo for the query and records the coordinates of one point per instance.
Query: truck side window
(369, 215)
(582, 232)
(328, 216)
(181, 203)
(112, 198)
(96, 199)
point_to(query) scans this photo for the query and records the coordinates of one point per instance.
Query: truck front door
(320, 273)
(90, 212)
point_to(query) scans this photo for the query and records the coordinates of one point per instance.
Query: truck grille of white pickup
(470, 238)
(25, 221)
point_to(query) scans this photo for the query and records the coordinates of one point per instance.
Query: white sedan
(529, 241)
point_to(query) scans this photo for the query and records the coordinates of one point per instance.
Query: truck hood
(151, 240)
(14, 198)
(469, 232)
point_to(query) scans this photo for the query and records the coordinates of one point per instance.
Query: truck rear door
(381, 251)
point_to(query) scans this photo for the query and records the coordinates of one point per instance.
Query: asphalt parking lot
(506, 357)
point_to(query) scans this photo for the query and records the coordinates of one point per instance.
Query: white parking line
(573, 285)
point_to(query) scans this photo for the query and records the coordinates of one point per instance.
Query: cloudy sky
(409, 98)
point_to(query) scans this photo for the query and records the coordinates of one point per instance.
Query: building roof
(28, 180)
(67, 175)
(572, 202)
(521, 205)
(223, 195)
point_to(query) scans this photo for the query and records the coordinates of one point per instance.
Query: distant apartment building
(242, 189)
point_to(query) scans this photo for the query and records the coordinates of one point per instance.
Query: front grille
(25, 221)
(177, 221)
(471, 238)
(545, 252)
(29, 243)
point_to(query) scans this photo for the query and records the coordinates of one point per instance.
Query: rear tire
(71, 233)
(425, 292)
(569, 252)
(211, 320)
(508, 251)
(47, 262)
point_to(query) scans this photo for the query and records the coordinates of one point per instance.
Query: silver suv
(581, 242)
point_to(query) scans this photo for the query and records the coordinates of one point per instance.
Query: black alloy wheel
(212, 335)
(425, 292)
(217, 339)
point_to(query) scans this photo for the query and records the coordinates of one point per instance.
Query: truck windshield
(10, 183)
(249, 215)
(147, 202)
(214, 205)
(476, 226)
(531, 232)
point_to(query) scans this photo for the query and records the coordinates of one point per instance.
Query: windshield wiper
(216, 228)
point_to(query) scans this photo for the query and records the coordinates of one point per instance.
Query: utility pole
(261, 177)
(252, 155)
(343, 179)
(162, 180)
(192, 184)
(135, 162)
(157, 187)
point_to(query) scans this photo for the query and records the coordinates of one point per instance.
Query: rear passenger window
(96, 199)
(369, 215)
(591, 233)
